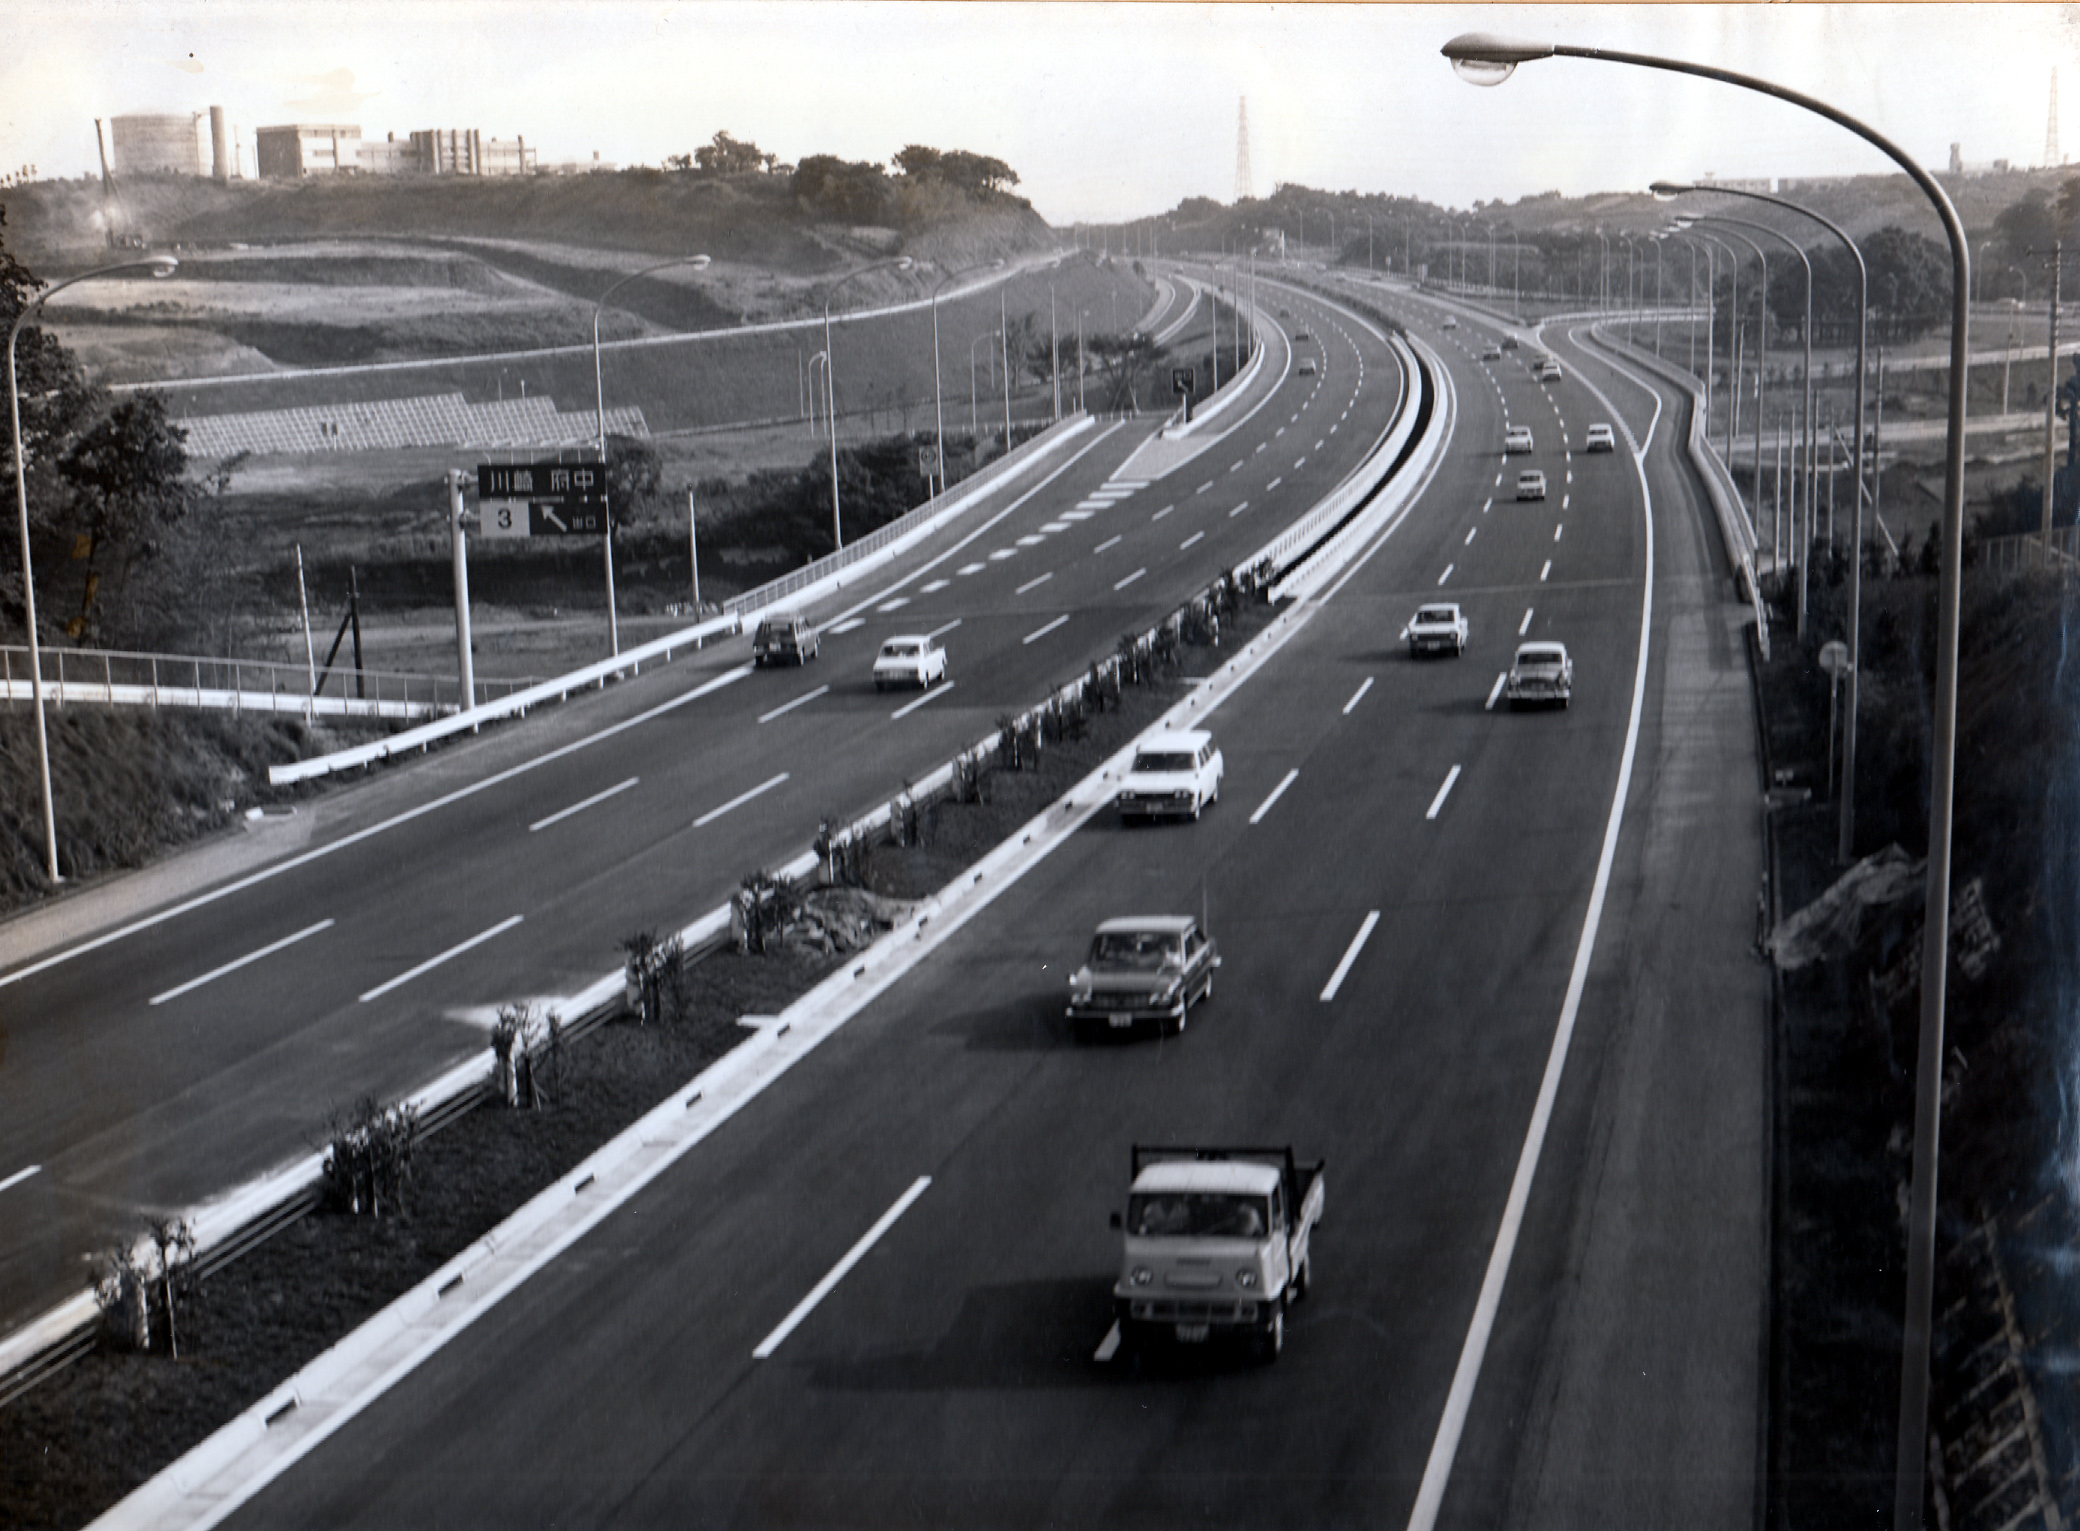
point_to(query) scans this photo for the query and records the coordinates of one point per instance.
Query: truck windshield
(1198, 1214)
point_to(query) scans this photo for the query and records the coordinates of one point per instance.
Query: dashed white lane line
(1107, 1347)
(1357, 696)
(1469, 536)
(1277, 792)
(1195, 537)
(447, 956)
(1350, 956)
(850, 623)
(216, 973)
(1122, 584)
(1031, 540)
(1485, 504)
(1260, 447)
(1236, 465)
(1045, 526)
(1558, 527)
(932, 695)
(1447, 573)
(1162, 513)
(1524, 626)
(1319, 444)
(944, 628)
(1282, 430)
(1034, 584)
(1298, 461)
(1564, 499)
(1003, 553)
(1548, 569)
(966, 568)
(1443, 792)
(1109, 542)
(1494, 691)
(1238, 510)
(1041, 632)
(765, 717)
(1274, 484)
(739, 800)
(853, 1256)
(934, 587)
(1076, 515)
(1203, 487)
(895, 605)
(615, 791)
(19, 1176)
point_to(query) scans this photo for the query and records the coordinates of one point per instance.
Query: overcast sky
(1106, 111)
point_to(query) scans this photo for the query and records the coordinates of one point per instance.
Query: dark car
(783, 640)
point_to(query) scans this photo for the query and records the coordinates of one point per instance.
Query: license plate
(1119, 1022)
(1193, 1334)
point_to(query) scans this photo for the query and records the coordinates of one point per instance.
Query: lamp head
(699, 263)
(1482, 58)
(164, 266)
(1665, 191)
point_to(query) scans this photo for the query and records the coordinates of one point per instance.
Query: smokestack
(108, 211)
(220, 146)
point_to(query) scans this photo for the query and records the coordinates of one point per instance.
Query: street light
(938, 392)
(1847, 828)
(158, 266)
(830, 385)
(1761, 377)
(1489, 61)
(599, 394)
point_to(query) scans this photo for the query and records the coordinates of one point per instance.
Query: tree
(853, 191)
(725, 155)
(635, 479)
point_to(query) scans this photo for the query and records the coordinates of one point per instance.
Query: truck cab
(1216, 1242)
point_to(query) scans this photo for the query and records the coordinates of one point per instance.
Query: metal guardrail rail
(116, 678)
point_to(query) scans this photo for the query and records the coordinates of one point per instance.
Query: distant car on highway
(1541, 672)
(1509, 342)
(1437, 627)
(1301, 337)
(1600, 439)
(1144, 967)
(1491, 352)
(1531, 484)
(1450, 322)
(909, 659)
(783, 639)
(1517, 439)
(1548, 370)
(1174, 774)
(1306, 368)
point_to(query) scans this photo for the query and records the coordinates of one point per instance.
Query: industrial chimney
(220, 146)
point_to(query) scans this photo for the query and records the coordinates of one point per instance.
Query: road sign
(542, 499)
(1184, 380)
(928, 464)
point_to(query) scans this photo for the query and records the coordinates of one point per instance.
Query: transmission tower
(1242, 186)
(2051, 155)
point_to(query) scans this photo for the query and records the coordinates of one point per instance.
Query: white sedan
(1531, 484)
(1600, 439)
(1175, 773)
(911, 659)
(1541, 672)
(1517, 439)
(1436, 628)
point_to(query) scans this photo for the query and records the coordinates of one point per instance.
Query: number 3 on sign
(503, 518)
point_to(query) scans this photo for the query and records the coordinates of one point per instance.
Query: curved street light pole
(1603, 272)
(830, 384)
(599, 394)
(1496, 58)
(1761, 375)
(938, 390)
(158, 266)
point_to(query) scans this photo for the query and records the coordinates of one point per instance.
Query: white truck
(1216, 1243)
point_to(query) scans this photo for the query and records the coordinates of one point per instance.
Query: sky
(1107, 111)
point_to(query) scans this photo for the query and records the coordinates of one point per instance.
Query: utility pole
(2050, 400)
(458, 547)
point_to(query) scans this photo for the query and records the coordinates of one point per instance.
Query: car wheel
(1303, 1275)
(1206, 993)
(1273, 1340)
(1196, 807)
(1184, 1017)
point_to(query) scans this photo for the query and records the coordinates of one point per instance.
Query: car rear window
(899, 651)
(1136, 951)
(1162, 760)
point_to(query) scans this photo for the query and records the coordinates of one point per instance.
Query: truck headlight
(1247, 1280)
(1142, 1275)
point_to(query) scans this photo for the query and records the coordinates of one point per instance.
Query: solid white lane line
(1122, 584)
(1195, 536)
(1524, 626)
(739, 800)
(1443, 792)
(232, 967)
(1556, 529)
(600, 797)
(1042, 632)
(1350, 955)
(1469, 536)
(1034, 584)
(1548, 569)
(19, 1176)
(1495, 691)
(944, 628)
(1447, 573)
(1109, 542)
(784, 707)
(838, 1272)
(1107, 1347)
(447, 956)
(1357, 696)
(1277, 792)
(932, 695)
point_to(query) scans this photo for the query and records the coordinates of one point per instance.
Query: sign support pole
(693, 553)
(458, 546)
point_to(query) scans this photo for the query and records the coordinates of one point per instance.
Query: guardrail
(630, 660)
(2029, 550)
(891, 539)
(114, 677)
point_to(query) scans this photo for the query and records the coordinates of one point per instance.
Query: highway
(166, 1053)
(1493, 966)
